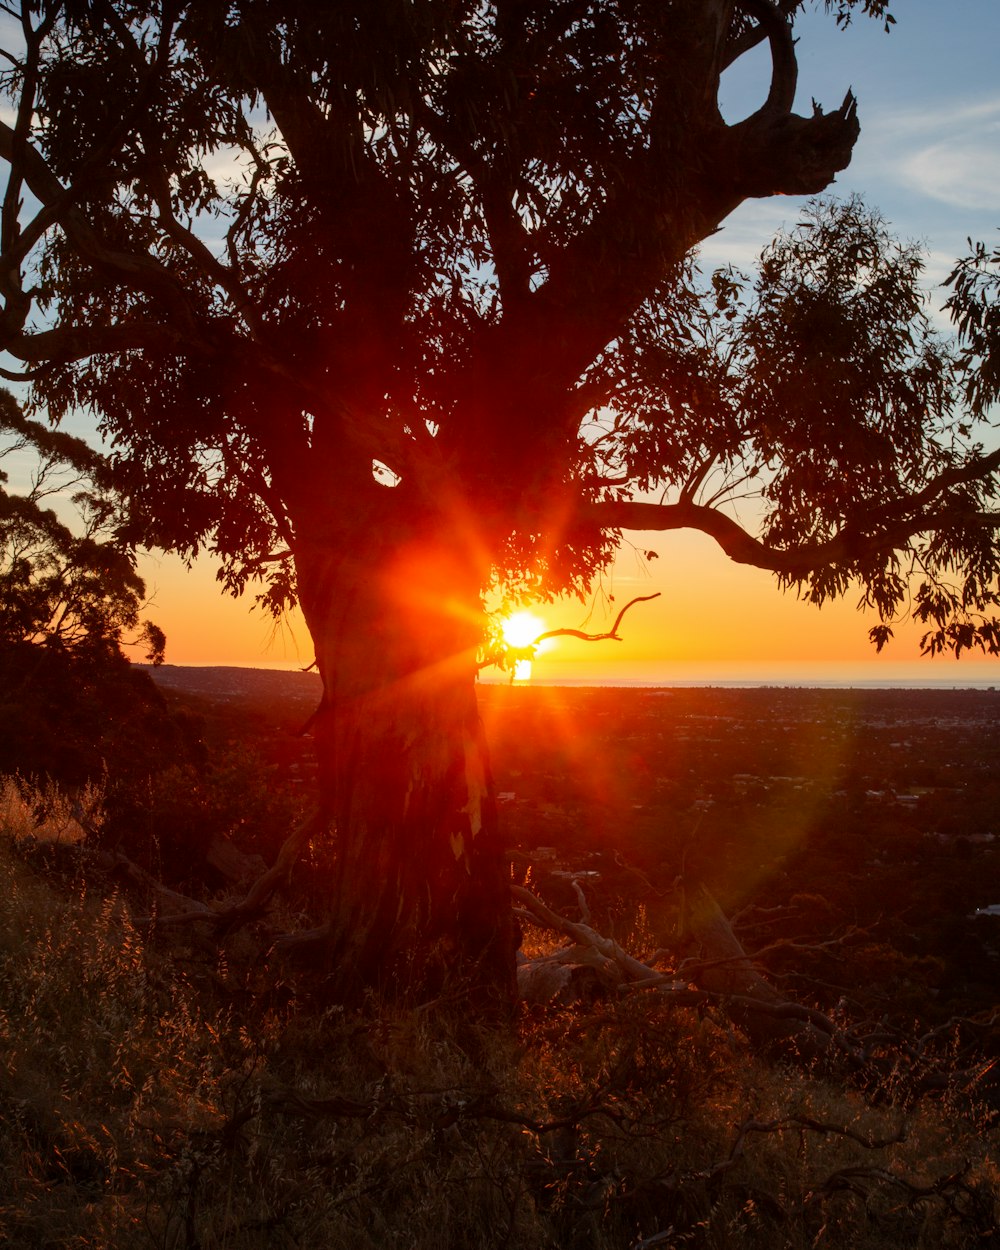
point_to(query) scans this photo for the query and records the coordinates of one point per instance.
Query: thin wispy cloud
(948, 154)
(964, 176)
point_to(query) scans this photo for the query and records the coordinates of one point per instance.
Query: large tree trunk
(419, 901)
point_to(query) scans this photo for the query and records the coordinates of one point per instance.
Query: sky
(929, 159)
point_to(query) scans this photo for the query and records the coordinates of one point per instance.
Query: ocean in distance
(972, 674)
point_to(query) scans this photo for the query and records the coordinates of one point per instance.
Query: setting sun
(520, 630)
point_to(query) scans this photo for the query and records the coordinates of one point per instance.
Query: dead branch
(228, 919)
(117, 864)
(581, 901)
(496, 656)
(446, 1107)
(582, 934)
(612, 635)
(727, 978)
(114, 863)
(801, 1122)
(802, 947)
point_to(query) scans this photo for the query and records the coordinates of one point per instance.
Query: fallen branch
(582, 934)
(117, 864)
(228, 919)
(727, 978)
(441, 1107)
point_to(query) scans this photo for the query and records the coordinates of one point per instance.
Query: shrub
(189, 1096)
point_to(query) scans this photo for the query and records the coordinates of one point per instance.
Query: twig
(612, 635)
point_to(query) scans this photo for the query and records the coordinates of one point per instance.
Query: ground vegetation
(158, 1089)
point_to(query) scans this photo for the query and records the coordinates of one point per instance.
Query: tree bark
(419, 900)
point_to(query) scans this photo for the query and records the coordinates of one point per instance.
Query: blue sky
(929, 103)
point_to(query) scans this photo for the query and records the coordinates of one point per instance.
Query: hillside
(176, 1086)
(884, 804)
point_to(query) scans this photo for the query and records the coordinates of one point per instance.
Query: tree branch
(508, 237)
(892, 527)
(736, 542)
(611, 635)
(60, 207)
(68, 343)
(209, 264)
(139, 270)
(780, 153)
(585, 301)
(777, 29)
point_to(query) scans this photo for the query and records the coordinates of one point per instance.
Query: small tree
(70, 601)
(64, 587)
(389, 302)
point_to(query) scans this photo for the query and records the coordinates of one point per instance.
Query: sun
(520, 629)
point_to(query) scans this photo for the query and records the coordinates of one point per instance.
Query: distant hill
(226, 684)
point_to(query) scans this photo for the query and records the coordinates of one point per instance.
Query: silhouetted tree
(70, 600)
(388, 302)
(65, 583)
(975, 309)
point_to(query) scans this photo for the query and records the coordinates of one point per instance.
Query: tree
(345, 284)
(975, 309)
(63, 588)
(70, 601)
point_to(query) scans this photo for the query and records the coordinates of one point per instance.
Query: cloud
(746, 231)
(962, 174)
(946, 153)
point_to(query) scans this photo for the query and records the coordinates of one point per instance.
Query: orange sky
(714, 621)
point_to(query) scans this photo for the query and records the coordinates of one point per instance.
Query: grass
(47, 813)
(183, 1097)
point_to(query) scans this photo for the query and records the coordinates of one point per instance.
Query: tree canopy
(70, 610)
(292, 254)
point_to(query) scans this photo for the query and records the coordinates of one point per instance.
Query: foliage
(816, 393)
(71, 590)
(166, 820)
(975, 309)
(70, 602)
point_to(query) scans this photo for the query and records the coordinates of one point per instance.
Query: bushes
(165, 795)
(166, 821)
(188, 1097)
(79, 716)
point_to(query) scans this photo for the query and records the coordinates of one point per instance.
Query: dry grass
(183, 1099)
(46, 814)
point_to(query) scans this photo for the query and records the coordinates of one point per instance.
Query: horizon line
(815, 677)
